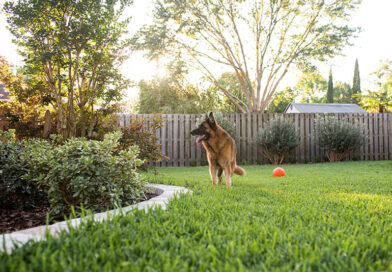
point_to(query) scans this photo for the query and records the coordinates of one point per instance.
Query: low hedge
(79, 172)
(16, 191)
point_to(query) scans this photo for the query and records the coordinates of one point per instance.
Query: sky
(373, 44)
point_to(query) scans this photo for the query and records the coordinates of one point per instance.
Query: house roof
(4, 95)
(323, 108)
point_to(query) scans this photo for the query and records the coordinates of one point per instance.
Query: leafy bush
(138, 133)
(338, 138)
(91, 173)
(7, 136)
(277, 139)
(15, 190)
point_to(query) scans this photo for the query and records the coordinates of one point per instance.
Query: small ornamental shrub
(338, 138)
(277, 139)
(15, 190)
(139, 133)
(91, 173)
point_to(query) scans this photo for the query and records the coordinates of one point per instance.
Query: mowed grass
(320, 217)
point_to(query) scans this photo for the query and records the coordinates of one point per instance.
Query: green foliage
(319, 217)
(138, 133)
(7, 136)
(28, 101)
(230, 82)
(312, 87)
(277, 139)
(342, 93)
(15, 190)
(356, 91)
(282, 99)
(88, 173)
(338, 138)
(380, 100)
(174, 94)
(74, 48)
(330, 90)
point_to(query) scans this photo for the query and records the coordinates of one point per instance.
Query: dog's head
(205, 129)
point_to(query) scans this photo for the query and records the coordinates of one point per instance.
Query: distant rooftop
(4, 95)
(323, 108)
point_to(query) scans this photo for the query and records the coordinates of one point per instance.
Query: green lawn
(320, 217)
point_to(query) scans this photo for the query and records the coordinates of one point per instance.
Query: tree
(28, 103)
(330, 91)
(173, 94)
(381, 100)
(342, 93)
(75, 47)
(257, 40)
(230, 82)
(356, 92)
(282, 99)
(311, 87)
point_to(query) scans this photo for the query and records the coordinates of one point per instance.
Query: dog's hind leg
(220, 171)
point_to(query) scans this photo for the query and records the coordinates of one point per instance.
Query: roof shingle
(323, 108)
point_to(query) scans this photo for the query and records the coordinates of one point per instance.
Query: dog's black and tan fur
(220, 148)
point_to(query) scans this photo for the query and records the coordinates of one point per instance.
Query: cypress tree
(356, 91)
(330, 88)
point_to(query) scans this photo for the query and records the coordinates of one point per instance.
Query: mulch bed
(12, 219)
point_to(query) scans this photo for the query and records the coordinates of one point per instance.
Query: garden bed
(12, 219)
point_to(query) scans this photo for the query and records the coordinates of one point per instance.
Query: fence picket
(259, 127)
(376, 139)
(192, 143)
(254, 135)
(390, 135)
(187, 140)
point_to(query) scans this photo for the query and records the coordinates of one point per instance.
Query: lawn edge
(9, 241)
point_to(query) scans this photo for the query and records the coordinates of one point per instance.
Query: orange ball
(278, 172)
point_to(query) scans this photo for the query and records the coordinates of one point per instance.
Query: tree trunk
(47, 125)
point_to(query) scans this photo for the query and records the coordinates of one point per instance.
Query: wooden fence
(180, 147)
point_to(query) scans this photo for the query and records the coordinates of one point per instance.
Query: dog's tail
(239, 171)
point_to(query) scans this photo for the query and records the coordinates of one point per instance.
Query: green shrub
(91, 173)
(7, 136)
(138, 133)
(338, 138)
(15, 190)
(277, 139)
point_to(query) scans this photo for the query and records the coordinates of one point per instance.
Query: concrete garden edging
(164, 194)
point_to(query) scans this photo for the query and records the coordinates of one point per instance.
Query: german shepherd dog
(220, 148)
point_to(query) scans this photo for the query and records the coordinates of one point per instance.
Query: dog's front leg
(213, 173)
(227, 171)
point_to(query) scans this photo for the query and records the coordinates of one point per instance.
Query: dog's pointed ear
(211, 117)
(211, 120)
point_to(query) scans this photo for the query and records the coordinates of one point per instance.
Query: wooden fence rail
(180, 147)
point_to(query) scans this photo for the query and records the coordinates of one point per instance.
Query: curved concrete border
(17, 238)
